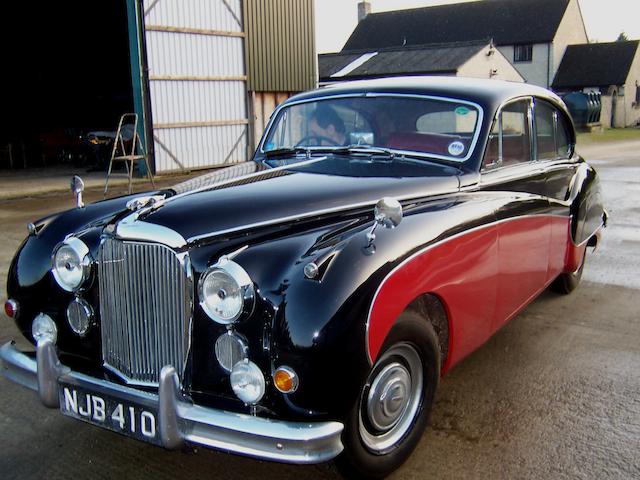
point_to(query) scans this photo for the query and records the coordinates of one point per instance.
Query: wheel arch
(585, 204)
(432, 308)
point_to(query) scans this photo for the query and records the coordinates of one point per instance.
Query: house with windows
(532, 35)
(611, 69)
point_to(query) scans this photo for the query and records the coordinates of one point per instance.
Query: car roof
(487, 93)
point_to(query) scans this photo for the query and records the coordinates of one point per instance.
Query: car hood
(233, 200)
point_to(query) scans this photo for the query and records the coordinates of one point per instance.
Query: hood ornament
(146, 201)
(388, 213)
(77, 187)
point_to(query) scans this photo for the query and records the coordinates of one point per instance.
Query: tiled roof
(431, 59)
(507, 22)
(595, 65)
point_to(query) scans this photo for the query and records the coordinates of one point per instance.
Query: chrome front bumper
(179, 420)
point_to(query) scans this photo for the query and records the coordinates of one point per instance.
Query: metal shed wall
(197, 82)
(280, 45)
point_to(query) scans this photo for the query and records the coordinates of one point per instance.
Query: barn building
(202, 75)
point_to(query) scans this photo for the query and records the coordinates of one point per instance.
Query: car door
(555, 153)
(524, 229)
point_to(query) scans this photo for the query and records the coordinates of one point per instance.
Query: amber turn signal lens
(11, 308)
(285, 380)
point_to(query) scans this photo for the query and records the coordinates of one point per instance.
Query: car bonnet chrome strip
(245, 177)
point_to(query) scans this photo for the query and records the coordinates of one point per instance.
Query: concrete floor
(554, 394)
(17, 184)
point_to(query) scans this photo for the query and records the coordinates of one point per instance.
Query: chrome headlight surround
(78, 248)
(80, 316)
(229, 270)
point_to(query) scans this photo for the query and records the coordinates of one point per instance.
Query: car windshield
(437, 127)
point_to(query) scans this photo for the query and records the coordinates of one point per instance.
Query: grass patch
(609, 135)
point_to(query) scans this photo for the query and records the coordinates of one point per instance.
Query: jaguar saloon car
(302, 306)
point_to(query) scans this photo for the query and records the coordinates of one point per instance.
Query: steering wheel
(304, 141)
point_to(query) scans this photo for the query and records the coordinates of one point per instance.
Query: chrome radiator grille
(145, 309)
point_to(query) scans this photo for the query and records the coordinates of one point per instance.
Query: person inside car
(326, 127)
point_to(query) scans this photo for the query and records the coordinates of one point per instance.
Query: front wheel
(566, 283)
(394, 404)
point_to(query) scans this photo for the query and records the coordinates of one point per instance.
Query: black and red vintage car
(303, 306)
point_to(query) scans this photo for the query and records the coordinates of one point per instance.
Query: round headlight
(247, 382)
(71, 264)
(79, 316)
(226, 292)
(44, 328)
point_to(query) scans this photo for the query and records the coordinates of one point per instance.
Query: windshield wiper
(364, 149)
(378, 151)
(288, 151)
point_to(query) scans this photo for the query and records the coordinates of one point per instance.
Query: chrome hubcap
(393, 398)
(388, 396)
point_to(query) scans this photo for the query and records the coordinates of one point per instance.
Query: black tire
(365, 455)
(566, 283)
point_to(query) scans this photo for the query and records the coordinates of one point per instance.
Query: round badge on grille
(79, 316)
(230, 349)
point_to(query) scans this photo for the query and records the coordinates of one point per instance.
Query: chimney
(364, 9)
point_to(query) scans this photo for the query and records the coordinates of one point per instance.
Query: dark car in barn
(302, 306)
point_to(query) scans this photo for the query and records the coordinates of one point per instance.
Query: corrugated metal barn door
(197, 82)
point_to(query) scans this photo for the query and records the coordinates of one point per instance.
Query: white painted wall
(571, 31)
(632, 110)
(535, 71)
(481, 65)
(605, 110)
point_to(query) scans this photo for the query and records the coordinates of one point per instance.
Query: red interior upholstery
(515, 149)
(423, 142)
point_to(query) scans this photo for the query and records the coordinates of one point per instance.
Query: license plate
(125, 417)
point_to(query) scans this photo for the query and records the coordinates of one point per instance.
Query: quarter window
(523, 53)
(563, 139)
(545, 135)
(553, 139)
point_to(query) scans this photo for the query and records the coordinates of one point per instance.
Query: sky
(604, 19)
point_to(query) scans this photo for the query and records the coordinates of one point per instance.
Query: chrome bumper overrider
(180, 421)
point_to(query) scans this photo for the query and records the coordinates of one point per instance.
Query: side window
(510, 138)
(563, 139)
(545, 131)
(516, 142)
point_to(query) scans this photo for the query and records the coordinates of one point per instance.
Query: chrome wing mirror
(77, 187)
(388, 213)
